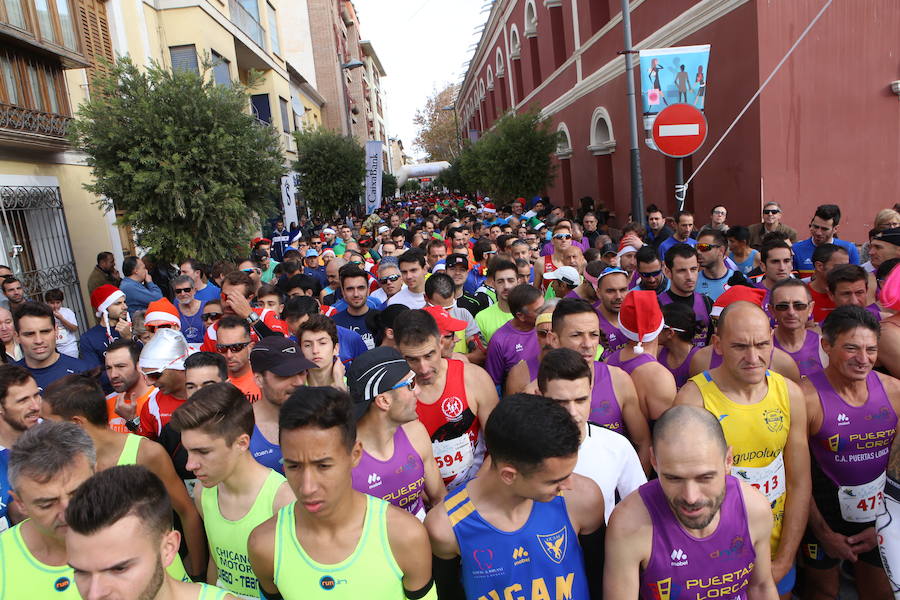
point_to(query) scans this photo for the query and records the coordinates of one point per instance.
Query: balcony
(27, 127)
(246, 23)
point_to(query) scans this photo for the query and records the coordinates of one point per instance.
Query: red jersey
(156, 414)
(454, 429)
(267, 316)
(823, 305)
(549, 267)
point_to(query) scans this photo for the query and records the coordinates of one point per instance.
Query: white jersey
(609, 459)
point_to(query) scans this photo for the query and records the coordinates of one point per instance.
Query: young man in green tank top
(46, 465)
(81, 401)
(121, 539)
(335, 542)
(236, 493)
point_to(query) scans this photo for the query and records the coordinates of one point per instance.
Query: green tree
(331, 167)
(513, 159)
(388, 185)
(437, 127)
(411, 185)
(191, 170)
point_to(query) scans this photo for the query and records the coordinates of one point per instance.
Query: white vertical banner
(289, 198)
(373, 176)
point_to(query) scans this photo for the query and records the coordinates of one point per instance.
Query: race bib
(454, 457)
(862, 503)
(770, 480)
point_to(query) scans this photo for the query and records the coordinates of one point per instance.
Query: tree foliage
(388, 185)
(331, 167)
(436, 127)
(513, 159)
(410, 186)
(180, 156)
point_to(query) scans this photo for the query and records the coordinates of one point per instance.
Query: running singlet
(399, 480)
(24, 576)
(612, 337)
(605, 409)
(682, 566)
(265, 452)
(887, 528)
(5, 487)
(228, 539)
(117, 423)
(757, 434)
(851, 451)
(542, 559)
(370, 572)
(454, 429)
(615, 360)
(701, 314)
(807, 357)
(681, 373)
(208, 592)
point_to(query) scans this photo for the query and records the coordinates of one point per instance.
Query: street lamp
(353, 64)
(456, 124)
(349, 66)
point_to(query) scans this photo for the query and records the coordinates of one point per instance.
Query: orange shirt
(247, 384)
(117, 423)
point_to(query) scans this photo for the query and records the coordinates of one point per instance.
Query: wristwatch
(252, 318)
(134, 424)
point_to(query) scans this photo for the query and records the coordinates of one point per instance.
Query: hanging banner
(289, 198)
(673, 76)
(373, 176)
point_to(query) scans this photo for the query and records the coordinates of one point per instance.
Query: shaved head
(685, 422)
(744, 313)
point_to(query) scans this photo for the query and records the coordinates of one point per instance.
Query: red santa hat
(490, 208)
(738, 293)
(101, 299)
(640, 318)
(160, 312)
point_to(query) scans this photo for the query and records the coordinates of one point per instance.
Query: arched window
(499, 61)
(490, 78)
(530, 19)
(564, 142)
(481, 90)
(602, 139)
(515, 44)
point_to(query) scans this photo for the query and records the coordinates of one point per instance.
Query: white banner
(289, 198)
(373, 176)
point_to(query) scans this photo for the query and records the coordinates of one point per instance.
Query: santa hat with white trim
(101, 299)
(161, 312)
(738, 293)
(640, 318)
(489, 208)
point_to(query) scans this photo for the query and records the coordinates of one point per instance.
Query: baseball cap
(566, 274)
(372, 373)
(383, 229)
(279, 355)
(456, 259)
(445, 321)
(608, 248)
(312, 253)
(891, 236)
(608, 271)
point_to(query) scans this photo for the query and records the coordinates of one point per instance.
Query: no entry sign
(679, 130)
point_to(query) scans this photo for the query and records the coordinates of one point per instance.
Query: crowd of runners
(456, 398)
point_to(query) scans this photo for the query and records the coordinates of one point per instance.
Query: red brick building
(824, 130)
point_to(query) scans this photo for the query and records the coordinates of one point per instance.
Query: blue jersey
(5, 498)
(265, 452)
(803, 252)
(64, 365)
(542, 559)
(669, 242)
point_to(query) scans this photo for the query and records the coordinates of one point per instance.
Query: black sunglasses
(215, 316)
(186, 290)
(650, 273)
(223, 348)
(771, 211)
(388, 279)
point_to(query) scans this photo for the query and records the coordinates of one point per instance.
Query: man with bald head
(660, 540)
(763, 415)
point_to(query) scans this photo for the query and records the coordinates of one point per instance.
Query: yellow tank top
(757, 434)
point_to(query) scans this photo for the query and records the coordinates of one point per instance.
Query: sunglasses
(388, 279)
(719, 212)
(251, 270)
(186, 290)
(490, 252)
(562, 236)
(407, 383)
(650, 273)
(771, 211)
(211, 316)
(152, 328)
(707, 247)
(798, 306)
(233, 348)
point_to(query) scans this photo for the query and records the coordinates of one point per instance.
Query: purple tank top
(807, 357)
(715, 359)
(681, 373)
(605, 409)
(400, 480)
(873, 308)
(854, 442)
(615, 360)
(682, 566)
(613, 339)
(700, 314)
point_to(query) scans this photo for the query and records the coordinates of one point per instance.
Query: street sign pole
(680, 192)
(637, 185)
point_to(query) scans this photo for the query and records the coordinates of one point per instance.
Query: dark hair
(767, 248)
(774, 236)
(681, 316)
(319, 322)
(413, 255)
(54, 295)
(824, 252)
(291, 255)
(646, 254)
(569, 306)
(562, 363)
(521, 296)
(319, 407)
(434, 243)
(234, 322)
(550, 430)
(306, 283)
(103, 256)
(682, 213)
(267, 289)
(196, 265)
(12, 375)
(499, 264)
(441, 284)
(240, 278)
(679, 250)
(134, 349)
(481, 246)
(416, 327)
(847, 318)
(219, 409)
(207, 359)
(717, 236)
(113, 494)
(7, 280)
(846, 273)
(349, 271)
(520, 262)
(298, 306)
(885, 268)
(739, 233)
(32, 309)
(220, 267)
(503, 239)
(78, 396)
(784, 283)
(398, 232)
(829, 212)
(129, 265)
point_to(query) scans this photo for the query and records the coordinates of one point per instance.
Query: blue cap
(610, 271)
(312, 253)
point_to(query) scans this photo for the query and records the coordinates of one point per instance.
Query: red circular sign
(679, 130)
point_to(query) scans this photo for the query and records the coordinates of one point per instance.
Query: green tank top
(24, 576)
(228, 539)
(369, 572)
(129, 457)
(208, 592)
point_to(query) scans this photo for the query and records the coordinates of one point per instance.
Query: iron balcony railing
(246, 22)
(29, 120)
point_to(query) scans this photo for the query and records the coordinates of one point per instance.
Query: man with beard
(355, 290)
(162, 364)
(822, 230)
(612, 286)
(682, 268)
(235, 344)
(763, 416)
(659, 538)
(36, 330)
(20, 409)
(130, 390)
(714, 276)
(121, 539)
(562, 239)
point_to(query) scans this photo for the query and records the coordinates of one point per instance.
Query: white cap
(626, 250)
(329, 230)
(566, 274)
(383, 229)
(167, 350)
